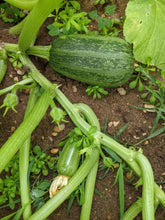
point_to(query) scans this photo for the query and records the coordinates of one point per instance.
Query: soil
(118, 109)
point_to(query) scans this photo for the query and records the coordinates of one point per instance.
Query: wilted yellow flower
(57, 184)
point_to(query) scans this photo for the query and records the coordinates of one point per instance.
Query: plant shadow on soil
(118, 109)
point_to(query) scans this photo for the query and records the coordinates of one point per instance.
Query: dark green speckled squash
(96, 60)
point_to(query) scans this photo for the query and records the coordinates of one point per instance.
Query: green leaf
(110, 9)
(36, 193)
(92, 130)
(145, 28)
(18, 214)
(75, 4)
(43, 185)
(78, 131)
(108, 162)
(8, 216)
(103, 22)
(93, 14)
(53, 30)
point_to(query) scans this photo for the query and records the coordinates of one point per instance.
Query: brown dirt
(117, 107)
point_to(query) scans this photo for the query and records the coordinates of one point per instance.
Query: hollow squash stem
(22, 4)
(13, 144)
(135, 209)
(148, 186)
(91, 178)
(36, 75)
(34, 20)
(16, 29)
(39, 51)
(24, 161)
(20, 83)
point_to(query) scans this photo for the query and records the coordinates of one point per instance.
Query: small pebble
(13, 129)
(121, 91)
(136, 137)
(54, 150)
(74, 88)
(54, 134)
(146, 142)
(20, 72)
(129, 175)
(16, 79)
(149, 108)
(110, 124)
(114, 123)
(59, 129)
(144, 134)
(50, 138)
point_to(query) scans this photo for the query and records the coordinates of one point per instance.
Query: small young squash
(69, 158)
(97, 60)
(67, 165)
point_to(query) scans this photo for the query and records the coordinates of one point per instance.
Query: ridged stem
(89, 191)
(3, 63)
(133, 210)
(148, 186)
(13, 144)
(36, 75)
(24, 161)
(91, 178)
(22, 4)
(23, 82)
(16, 29)
(39, 51)
(34, 20)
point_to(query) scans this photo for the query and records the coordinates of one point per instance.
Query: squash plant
(152, 195)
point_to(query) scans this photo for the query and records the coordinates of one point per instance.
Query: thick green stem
(22, 4)
(36, 18)
(89, 191)
(91, 178)
(3, 69)
(36, 75)
(24, 162)
(3, 63)
(23, 82)
(133, 210)
(13, 144)
(39, 51)
(16, 29)
(88, 113)
(148, 186)
(63, 194)
(159, 194)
